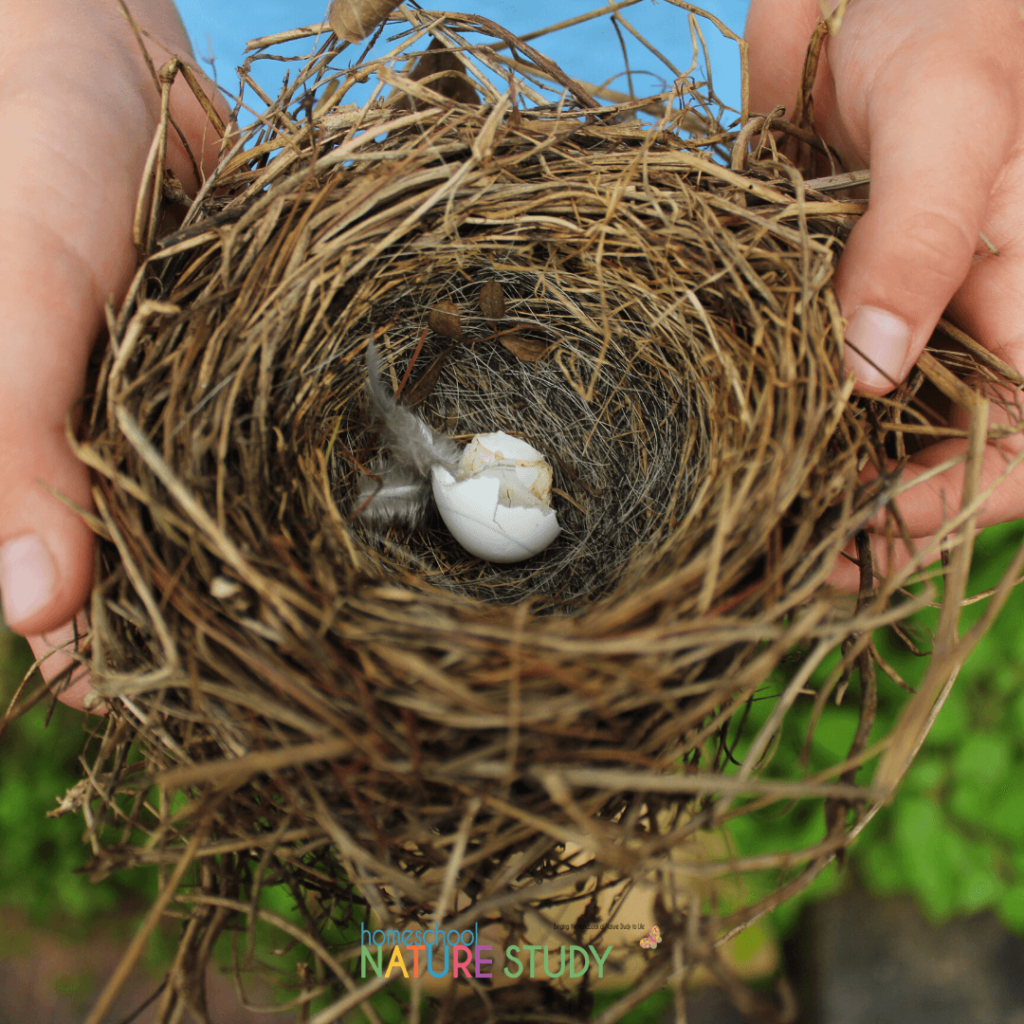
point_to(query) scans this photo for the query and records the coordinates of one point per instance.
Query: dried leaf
(530, 350)
(445, 320)
(453, 82)
(427, 380)
(492, 301)
(354, 20)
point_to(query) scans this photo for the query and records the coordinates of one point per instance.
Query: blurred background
(924, 921)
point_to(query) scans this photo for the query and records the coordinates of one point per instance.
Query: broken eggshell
(498, 507)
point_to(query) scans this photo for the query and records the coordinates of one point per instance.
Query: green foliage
(655, 1008)
(956, 828)
(954, 834)
(41, 858)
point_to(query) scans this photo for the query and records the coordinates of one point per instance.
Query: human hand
(928, 94)
(78, 111)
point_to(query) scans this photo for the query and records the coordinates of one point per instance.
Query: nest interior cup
(554, 381)
(382, 720)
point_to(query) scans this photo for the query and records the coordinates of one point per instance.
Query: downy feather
(413, 442)
(397, 495)
(400, 492)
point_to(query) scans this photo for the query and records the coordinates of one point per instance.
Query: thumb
(914, 246)
(46, 553)
(50, 318)
(70, 162)
(65, 197)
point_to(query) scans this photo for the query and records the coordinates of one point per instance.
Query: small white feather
(413, 442)
(401, 491)
(397, 495)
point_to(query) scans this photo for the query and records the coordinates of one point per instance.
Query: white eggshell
(486, 448)
(495, 511)
(487, 451)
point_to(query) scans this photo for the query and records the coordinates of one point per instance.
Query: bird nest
(405, 735)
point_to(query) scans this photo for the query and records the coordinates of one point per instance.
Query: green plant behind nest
(954, 835)
(39, 857)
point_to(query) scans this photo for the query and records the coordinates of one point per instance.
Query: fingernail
(877, 346)
(28, 578)
(90, 700)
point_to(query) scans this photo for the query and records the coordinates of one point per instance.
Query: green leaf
(1010, 908)
(918, 826)
(953, 720)
(770, 831)
(657, 1007)
(921, 839)
(1017, 715)
(882, 868)
(972, 803)
(279, 900)
(834, 734)
(1006, 677)
(961, 855)
(980, 888)
(984, 759)
(926, 773)
(1007, 815)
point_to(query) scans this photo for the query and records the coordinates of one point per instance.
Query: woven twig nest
(404, 733)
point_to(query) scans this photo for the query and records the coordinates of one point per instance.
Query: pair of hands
(927, 93)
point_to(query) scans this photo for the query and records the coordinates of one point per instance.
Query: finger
(932, 492)
(928, 500)
(204, 143)
(888, 556)
(70, 164)
(51, 317)
(777, 32)
(64, 249)
(990, 303)
(931, 502)
(928, 504)
(914, 246)
(56, 652)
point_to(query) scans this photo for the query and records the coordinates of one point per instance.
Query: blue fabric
(220, 29)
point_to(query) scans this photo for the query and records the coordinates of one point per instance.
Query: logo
(652, 938)
(443, 953)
